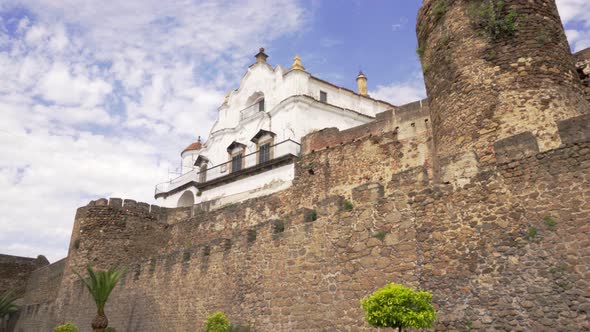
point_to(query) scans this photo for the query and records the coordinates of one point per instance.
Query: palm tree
(7, 305)
(101, 284)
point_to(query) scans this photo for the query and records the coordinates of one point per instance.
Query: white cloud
(97, 98)
(60, 86)
(400, 93)
(575, 15)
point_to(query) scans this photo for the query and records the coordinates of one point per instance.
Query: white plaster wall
(288, 114)
(266, 180)
(172, 200)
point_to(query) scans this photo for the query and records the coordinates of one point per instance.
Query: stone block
(367, 193)
(143, 206)
(115, 202)
(129, 204)
(101, 202)
(575, 129)
(516, 147)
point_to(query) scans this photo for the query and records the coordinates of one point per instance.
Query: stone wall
(15, 270)
(485, 87)
(507, 251)
(583, 68)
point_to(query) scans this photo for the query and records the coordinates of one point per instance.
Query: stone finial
(226, 100)
(361, 81)
(297, 64)
(261, 56)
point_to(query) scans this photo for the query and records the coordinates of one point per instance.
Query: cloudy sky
(97, 98)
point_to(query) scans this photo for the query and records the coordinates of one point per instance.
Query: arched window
(256, 98)
(186, 199)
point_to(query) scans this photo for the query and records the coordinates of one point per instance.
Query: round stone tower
(493, 69)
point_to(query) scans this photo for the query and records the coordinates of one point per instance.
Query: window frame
(325, 95)
(234, 155)
(260, 144)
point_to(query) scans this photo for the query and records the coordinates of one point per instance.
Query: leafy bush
(348, 206)
(67, 327)
(550, 221)
(532, 233)
(399, 307)
(311, 215)
(491, 16)
(420, 51)
(217, 322)
(110, 329)
(278, 226)
(380, 235)
(439, 10)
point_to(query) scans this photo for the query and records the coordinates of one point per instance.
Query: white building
(252, 146)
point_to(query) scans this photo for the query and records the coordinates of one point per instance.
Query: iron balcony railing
(281, 149)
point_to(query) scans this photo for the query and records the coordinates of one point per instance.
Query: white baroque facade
(252, 146)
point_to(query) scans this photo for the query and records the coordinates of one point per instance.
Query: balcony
(252, 110)
(280, 153)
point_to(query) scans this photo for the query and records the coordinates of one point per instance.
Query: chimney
(261, 56)
(361, 81)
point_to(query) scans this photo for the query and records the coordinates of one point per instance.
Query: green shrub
(550, 221)
(67, 327)
(439, 10)
(311, 215)
(380, 235)
(217, 322)
(532, 233)
(399, 307)
(492, 18)
(278, 226)
(420, 51)
(348, 206)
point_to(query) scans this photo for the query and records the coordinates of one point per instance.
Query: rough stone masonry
(480, 195)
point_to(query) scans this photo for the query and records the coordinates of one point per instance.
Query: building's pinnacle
(297, 64)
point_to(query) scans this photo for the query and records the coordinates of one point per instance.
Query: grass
(348, 205)
(420, 51)
(278, 226)
(532, 233)
(380, 235)
(558, 269)
(311, 215)
(550, 221)
(439, 10)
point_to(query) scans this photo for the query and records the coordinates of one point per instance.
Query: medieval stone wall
(582, 59)
(485, 86)
(15, 270)
(508, 251)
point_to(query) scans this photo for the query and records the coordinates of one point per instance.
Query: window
(203, 173)
(236, 163)
(264, 153)
(323, 97)
(261, 105)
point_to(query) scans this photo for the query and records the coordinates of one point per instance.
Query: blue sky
(97, 98)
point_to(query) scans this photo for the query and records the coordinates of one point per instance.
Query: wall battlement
(268, 257)
(486, 207)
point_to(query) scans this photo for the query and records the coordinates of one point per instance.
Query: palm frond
(100, 284)
(7, 305)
